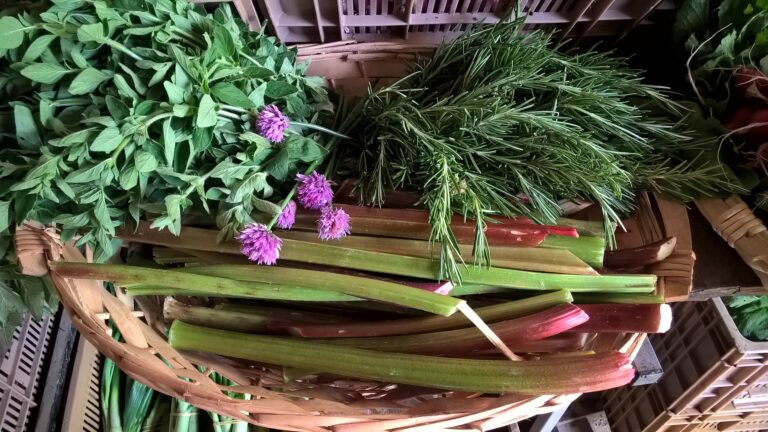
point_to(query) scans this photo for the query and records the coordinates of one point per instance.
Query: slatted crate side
(20, 371)
(430, 21)
(710, 372)
(83, 410)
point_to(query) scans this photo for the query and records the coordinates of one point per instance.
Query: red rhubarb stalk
(490, 314)
(536, 326)
(630, 318)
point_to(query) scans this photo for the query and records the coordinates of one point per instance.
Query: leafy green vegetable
(500, 122)
(133, 110)
(750, 313)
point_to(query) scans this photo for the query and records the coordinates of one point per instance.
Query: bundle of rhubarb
(371, 306)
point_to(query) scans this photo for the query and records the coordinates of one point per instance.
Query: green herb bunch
(750, 313)
(499, 122)
(121, 110)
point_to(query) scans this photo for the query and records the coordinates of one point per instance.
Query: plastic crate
(712, 376)
(20, 372)
(429, 21)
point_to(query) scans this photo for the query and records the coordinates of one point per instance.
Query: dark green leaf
(175, 93)
(257, 95)
(36, 48)
(304, 149)
(87, 174)
(206, 113)
(117, 109)
(692, 18)
(129, 177)
(201, 139)
(145, 162)
(5, 216)
(26, 128)
(45, 73)
(279, 89)
(91, 33)
(231, 95)
(169, 142)
(279, 164)
(107, 140)
(11, 33)
(86, 81)
(223, 41)
(124, 89)
(258, 72)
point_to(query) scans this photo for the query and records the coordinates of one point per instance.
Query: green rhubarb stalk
(592, 372)
(588, 248)
(489, 314)
(210, 317)
(361, 287)
(191, 284)
(328, 254)
(264, 282)
(547, 260)
(627, 298)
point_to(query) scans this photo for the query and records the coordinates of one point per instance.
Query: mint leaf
(279, 89)
(45, 73)
(26, 128)
(231, 95)
(107, 140)
(87, 81)
(36, 48)
(91, 33)
(11, 33)
(5, 216)
(206, 113)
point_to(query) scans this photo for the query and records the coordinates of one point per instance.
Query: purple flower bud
(259, 244)
(272, 123)
(314, 191)
(287, 216)
(333, 224)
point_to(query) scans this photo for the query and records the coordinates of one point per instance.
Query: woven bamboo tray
(737, 225)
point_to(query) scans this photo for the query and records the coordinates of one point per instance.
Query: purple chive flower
(333, 224)
(259, 244)
(314, 191)
(287, 216)
(272, 123)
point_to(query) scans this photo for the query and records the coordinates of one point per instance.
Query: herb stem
(235, 109)
(120, 47)
(229, 115)
(319, 129)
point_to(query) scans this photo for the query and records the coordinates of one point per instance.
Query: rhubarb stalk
(535, 326)
(490, 314)
(626, 318)
(586, 373)
(522, 258)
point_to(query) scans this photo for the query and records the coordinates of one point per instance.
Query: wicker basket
(335, 405)
(736, 224)
(339, 406)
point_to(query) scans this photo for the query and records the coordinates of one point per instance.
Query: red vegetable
(750, 83)
(739, 118)
(630, 318)
(758, 123)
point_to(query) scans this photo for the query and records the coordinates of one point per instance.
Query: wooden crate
(712, 375)
(430, 21)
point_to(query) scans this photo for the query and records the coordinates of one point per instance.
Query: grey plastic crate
(429, 21)
(20, 372)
